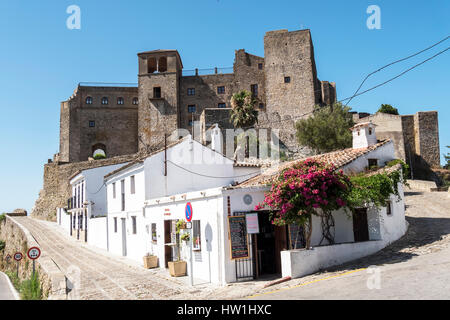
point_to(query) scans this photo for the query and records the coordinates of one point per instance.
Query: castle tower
(159, 82)
(292, 87)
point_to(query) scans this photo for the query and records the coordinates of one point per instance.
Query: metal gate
(245, 268)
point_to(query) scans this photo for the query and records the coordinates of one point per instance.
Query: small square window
(260, 66)
(191, 108)
(261, 106)
(91, 124)
(157, 92)
(191, 91)
(222, 105)
(287, 79)
(221, 90)
(373, 163)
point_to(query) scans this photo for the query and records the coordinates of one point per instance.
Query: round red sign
(34, 253)
(18, 256)
(188, 212)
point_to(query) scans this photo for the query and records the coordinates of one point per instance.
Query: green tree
(447, 158)
(327, 129)
(243, 112)
(387, 108)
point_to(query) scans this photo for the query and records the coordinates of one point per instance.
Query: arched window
(104, 100)
(99, 151)
(120, 100)
(135, 101)
(89, 100)
(162, 64)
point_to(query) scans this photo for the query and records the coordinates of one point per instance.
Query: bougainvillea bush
(303, 188)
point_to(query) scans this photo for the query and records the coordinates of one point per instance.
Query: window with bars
(196, 235)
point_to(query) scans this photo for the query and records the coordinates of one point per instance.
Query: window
(191, 91)
(389, 208)
(120, 100)
(135, 101)
(254, 89)
(132, 185)
(190, 123)
(162, 64)
(196, 235)
(91, 124)
(114, 190)
(221, 90)
(157, 92)
(221, 105)
(373, 163)
(104, 100)
(191, 108)
(261, 106)
(115, 224)
(89, 100)
(287, 79)
(122, 193)
(133, 221)
(151, 65)
(370, 131)
(260, 66)
(154, 234)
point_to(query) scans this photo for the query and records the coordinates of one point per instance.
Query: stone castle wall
(56, 188)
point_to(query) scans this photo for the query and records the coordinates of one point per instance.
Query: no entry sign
(18, 256)
(34, 253)
(188, 212)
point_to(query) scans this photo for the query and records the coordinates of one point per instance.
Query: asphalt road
(6, 292)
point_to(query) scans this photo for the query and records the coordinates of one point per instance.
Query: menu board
(238, 237)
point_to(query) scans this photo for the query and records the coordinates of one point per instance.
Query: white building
(184, 166)
(265, 252)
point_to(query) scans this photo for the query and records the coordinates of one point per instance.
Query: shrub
(387, 108)
(14, 279)
(31, 289)
(2, 217)
(2, 245)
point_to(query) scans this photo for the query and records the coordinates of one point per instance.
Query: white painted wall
(364, 136)
(384, 153)
(63, 219)
(97, 232)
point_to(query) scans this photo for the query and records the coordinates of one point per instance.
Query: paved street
(6, 292)
(415, 267)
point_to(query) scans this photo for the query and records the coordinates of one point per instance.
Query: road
(6, 292)
(100, 276)
(415, 267)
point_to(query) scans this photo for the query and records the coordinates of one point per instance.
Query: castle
(125, 120)
(121, 120)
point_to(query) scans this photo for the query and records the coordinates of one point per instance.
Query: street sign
(188, 225)
(188, 212)
(18, 256)
(34, 253)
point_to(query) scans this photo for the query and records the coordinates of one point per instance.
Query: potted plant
(178, 268)
(150, 261)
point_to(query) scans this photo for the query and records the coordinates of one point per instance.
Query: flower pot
(177, 268)
(150, 262)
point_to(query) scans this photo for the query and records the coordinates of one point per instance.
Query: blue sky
(41, 61)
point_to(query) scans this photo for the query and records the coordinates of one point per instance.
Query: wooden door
(167, 239)
(280, 245)
(360, 225)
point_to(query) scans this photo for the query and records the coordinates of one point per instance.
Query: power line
(392, 63)
(208, 176)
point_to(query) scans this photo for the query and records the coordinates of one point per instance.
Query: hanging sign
(238, 237)
(252, 223)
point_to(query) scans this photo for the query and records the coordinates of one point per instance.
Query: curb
(13, 290)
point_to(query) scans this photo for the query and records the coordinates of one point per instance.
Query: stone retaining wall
(19, 239)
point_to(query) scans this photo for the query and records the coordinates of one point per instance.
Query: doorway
(124, 237)
(167, 242)
(360, 225)
(268, 259)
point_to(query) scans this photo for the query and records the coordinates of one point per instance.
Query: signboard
(188, 225)
(238, 237)
(188, 212)
(18, 256)
(34, 253)
(252, 223)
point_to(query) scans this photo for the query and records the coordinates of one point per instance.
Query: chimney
(216, 139)
(364, 135)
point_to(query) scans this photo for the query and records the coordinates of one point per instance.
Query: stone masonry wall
(56, 189)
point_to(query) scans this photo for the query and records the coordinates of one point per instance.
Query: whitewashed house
(184, 166)
(224, 215)
(87, 207)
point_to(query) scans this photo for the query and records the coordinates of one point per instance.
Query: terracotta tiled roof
(338, 158)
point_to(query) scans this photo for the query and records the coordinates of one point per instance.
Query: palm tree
(243, 112)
